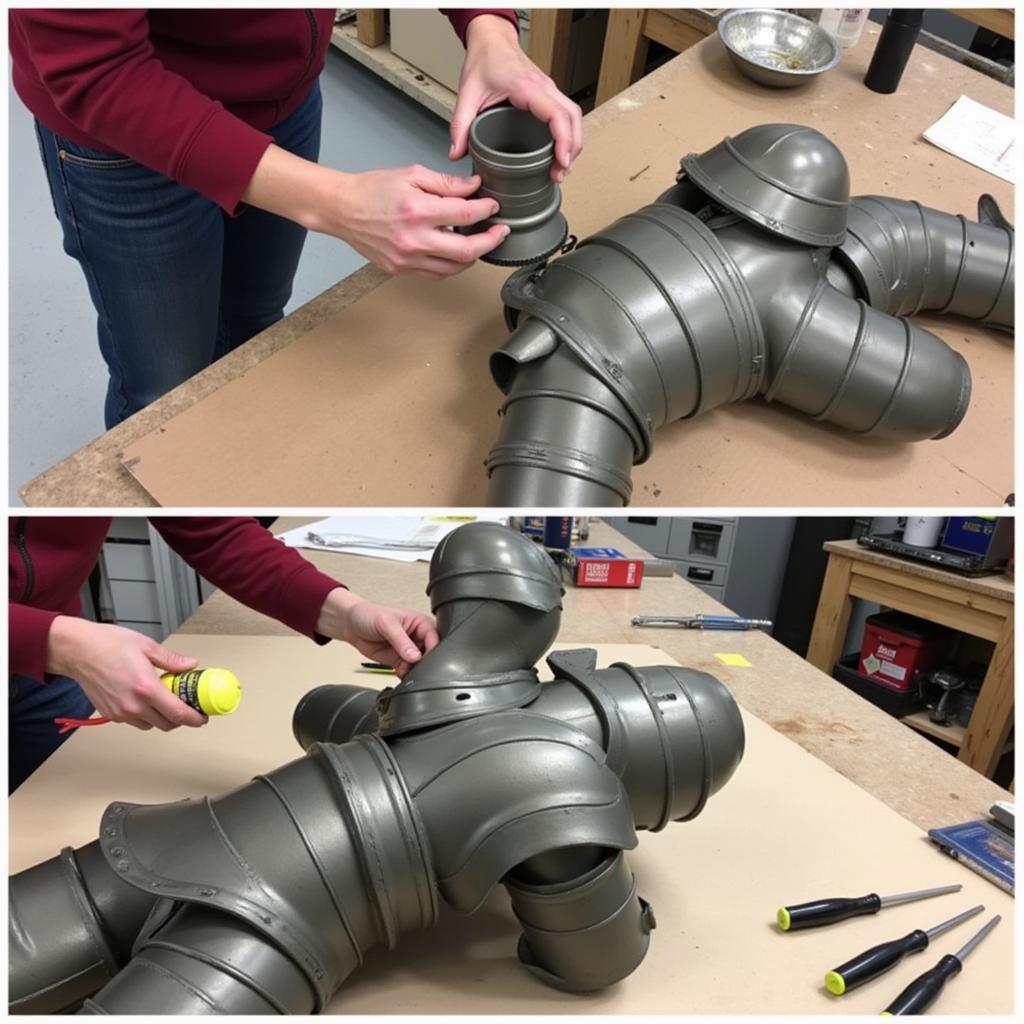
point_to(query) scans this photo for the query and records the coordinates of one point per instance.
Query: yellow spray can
(213, 691)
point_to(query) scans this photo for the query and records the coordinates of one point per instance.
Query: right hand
(114, 666)
(401, 220)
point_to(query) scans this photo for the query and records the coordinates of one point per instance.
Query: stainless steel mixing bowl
(775, 48)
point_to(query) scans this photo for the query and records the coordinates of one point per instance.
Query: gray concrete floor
(57, 378)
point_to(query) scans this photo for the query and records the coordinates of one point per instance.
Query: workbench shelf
(437, 98)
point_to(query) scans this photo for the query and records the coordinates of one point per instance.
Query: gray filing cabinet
(144, 584)
(739, 561)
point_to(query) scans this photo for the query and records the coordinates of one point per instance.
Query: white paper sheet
(396, 538)
(977, 134)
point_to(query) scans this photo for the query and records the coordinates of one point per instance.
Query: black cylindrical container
(893, 49)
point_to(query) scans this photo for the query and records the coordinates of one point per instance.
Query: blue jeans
(176, 282)
(32, 736)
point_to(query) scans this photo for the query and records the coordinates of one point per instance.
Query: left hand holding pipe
(397, 637)
(496, 70)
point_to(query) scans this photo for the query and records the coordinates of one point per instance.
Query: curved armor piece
(755, 274)
(265, 899)
(498, 605)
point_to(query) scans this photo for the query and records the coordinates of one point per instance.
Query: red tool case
(896, 646)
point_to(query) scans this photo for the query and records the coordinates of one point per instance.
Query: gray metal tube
(71, 924)
(512, 152)
(274, 892)
(840, 360)
(726, 288)
(654, 324)
(673, 735)
(907, 258)
(586, 933)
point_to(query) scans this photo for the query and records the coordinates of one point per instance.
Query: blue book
(982, 846)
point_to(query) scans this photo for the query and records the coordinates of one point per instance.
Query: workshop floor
(57, 378)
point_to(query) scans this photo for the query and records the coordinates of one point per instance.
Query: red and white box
(604, 567)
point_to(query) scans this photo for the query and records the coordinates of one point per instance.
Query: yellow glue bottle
(213, 691)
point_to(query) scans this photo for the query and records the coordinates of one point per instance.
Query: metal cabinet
(738, 561)
(144, 584)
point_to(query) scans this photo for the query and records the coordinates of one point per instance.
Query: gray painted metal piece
(497, 599)
(788, 179)
(585, 934)
(906, 258)
(264, 900)
(717, 294)
(71, 924)
(512, 152)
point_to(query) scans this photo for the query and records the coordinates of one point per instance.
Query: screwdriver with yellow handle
(926, 988)
(879, 959)
(819, 912)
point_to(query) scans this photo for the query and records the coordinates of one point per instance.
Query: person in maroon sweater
(180, 148)
(64, 665)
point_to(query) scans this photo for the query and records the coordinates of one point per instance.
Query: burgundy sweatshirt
(49, 560)
(189, 93)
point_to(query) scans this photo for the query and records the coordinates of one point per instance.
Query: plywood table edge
(94, 476)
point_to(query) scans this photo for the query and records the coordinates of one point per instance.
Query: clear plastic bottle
(845, 23)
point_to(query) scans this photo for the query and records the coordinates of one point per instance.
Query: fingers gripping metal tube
(724, 289)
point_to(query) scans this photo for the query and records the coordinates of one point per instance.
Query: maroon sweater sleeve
(460, 17)
(102, 74)
(246, 561)
(28, 632)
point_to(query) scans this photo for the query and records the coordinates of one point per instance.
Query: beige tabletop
(880, 754)
(306, 414)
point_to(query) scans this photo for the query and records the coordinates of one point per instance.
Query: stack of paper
(398, 538)
(977, 134)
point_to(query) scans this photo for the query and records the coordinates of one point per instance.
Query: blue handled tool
(702, 621)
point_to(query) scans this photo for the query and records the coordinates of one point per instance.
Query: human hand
(114, 666)
(392, 636)
(496, 70)
(400, 219)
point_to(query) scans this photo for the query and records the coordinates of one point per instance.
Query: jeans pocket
(72, 153)
(46, 167)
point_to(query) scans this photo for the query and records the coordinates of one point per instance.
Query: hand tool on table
(925, 989)
(357, 540)
(829, 911)
(879, 959)
(702, 621)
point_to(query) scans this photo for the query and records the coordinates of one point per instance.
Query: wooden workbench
(897, 766)
(980, 606)
(741, 455)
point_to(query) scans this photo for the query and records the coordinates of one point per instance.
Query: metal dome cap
(488, 561)
(787, 178)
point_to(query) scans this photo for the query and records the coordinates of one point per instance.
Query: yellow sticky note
(735, 660)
